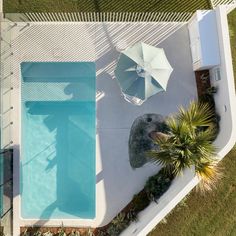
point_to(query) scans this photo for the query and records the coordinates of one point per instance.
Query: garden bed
(202, 81)
(206, 93)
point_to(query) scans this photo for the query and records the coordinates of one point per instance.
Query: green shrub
(112, 230)
(61, 232)
(89, 232)
(38, 233)
(26, 233)
(140, 201)
(74, 233)
(49, 234)
(157, 185)
(132, 215)
(208, 98)
(101, 233)
(120, 221)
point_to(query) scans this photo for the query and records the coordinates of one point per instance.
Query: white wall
(225, 98)
(1, 6)
(153, 214)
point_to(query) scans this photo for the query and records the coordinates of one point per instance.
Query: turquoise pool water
(58, 140)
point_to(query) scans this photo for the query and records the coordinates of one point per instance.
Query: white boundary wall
(230, 7)
(225, 98)
(1, 6)
(226, 107)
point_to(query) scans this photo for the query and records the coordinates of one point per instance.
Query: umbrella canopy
(142, 71)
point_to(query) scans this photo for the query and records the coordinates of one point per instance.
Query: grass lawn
(209, 214)
(232, 32)
(213, 213)
(104, 5)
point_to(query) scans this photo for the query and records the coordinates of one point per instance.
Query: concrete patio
(117, 182)
(115, 116)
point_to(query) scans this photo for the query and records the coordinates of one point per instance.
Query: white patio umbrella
(142, 71)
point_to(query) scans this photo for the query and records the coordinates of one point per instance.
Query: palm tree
(189, 143)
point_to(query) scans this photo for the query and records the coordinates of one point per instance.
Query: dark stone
(140, 141)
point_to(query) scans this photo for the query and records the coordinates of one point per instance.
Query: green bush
(101, 233)
(140, 201)
(157, 185)
(51, 234)
(120, 221)
(132, 215)
(208, 98)
(112, 230)
(38, 233)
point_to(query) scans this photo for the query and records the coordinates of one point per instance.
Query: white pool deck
(117, 182)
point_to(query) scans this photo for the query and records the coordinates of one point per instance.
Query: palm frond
(204, 146)
(208, 173)
(189, 143)
(160, 157)
(197, 115)
(178, 129)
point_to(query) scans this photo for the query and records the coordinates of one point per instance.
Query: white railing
(102, 16)
(5, 89)
(9, 31)
(6, 85)
(215, 3)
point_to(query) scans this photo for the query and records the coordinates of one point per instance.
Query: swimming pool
(58, 140)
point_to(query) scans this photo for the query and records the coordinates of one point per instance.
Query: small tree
(189, 143)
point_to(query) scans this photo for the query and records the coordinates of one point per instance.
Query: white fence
(215, 3)
(5, 85)
(102, 16)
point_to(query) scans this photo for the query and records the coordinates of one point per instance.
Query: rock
(140, 141)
